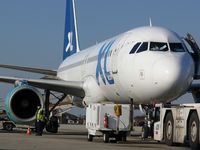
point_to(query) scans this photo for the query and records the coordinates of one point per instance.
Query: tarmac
(74, 137)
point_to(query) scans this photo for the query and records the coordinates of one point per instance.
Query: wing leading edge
(74, 88)
(29, 69)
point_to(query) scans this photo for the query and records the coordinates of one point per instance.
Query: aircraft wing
(74, 88)
(29, 69)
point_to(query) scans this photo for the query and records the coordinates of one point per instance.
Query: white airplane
(146, 65)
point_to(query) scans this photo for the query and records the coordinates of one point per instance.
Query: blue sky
(31, 32)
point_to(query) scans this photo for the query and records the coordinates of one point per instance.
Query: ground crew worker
(40, 121)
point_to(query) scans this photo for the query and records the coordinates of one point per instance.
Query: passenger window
(176, 47)
(135, 48)
(143, 47)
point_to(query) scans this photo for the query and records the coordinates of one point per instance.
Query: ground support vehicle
(178, 124)
(10, 125)
(104, 120)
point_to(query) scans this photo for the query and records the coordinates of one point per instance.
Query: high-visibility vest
(40, 115)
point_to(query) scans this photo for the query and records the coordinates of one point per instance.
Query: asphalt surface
(73, 138)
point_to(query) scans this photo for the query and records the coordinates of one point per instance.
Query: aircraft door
(115, 61)
(115, 53)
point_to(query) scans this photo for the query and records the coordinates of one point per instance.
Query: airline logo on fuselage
(102, 72)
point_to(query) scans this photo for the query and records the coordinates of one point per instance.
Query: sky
(31, 32)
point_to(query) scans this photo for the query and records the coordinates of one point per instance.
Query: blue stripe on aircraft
(107, 74)
(103, 73)
(99, 68)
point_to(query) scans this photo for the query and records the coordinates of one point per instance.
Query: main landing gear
(51, 120)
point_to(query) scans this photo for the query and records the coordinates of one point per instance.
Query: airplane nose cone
(173, 75)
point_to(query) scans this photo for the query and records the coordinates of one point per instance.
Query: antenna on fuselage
(150, 22)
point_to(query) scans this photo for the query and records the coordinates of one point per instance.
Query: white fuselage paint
(147, 77)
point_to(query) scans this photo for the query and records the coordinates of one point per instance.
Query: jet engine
(21, 103)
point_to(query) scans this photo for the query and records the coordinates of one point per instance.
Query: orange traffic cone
(28, 131)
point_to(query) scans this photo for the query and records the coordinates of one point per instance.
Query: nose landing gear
(147, 129)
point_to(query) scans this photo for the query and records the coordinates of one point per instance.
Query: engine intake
(21, 103)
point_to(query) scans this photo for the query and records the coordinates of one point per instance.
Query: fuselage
(147, 64)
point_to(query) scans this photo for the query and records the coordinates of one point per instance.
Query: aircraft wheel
(194, 131)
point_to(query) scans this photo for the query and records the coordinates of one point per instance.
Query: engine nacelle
(21, 103)
(196, 96)
(93, 94)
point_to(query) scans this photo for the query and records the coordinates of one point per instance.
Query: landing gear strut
(147, 129)
(131, 116)
(51, 122)
(46, 104)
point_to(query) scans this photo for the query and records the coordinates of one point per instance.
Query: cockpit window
(158, 46)
(135, 48)
(176, 47)
(143, 47)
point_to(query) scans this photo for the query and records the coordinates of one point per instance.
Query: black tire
(124, 138)
(52, 125)
(51, 129)
(54, 130)
(90, 137)
(193, 133)
(8, 126)
(169, 129)
(118, 137)
(105, 137)
(145, 131)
